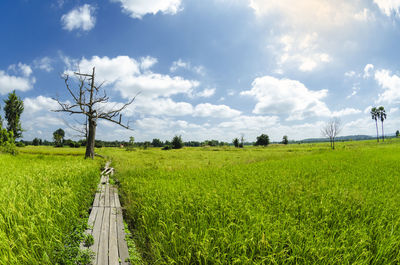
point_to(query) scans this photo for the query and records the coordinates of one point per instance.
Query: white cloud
(365, 15)
(368, 69)
(79, 18)
(147, 62)
(23, 83)
(350, 74)
(391, 86)
(40, 103)
(44, 64)
(303, 51)
(206, 93)
(252, 123)
(180, 64)
(345, 112)
(285, 96)
(139, 8)
(389, 7)
(215, 111)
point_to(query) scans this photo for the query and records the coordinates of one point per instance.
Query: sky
(210, 69)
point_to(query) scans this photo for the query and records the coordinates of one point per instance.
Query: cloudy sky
(210, 69)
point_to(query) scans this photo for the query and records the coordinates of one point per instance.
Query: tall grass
(280, 205)
(42, 202)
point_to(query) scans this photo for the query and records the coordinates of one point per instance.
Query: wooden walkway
(106, 225)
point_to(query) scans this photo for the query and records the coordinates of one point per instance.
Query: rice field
(44, 200)
(295, 204)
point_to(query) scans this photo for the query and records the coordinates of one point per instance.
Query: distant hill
(340, 138)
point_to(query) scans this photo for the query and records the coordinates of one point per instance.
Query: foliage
(37, 142)
(375, 115)
(236, 142)
(177, 142)
(42, 204)
(397, 133)
(157, 143)
(263, 140)
(58, 137)
(381, 112)
(7, 142)
(14, 106)
(285, 140)
(294, 205)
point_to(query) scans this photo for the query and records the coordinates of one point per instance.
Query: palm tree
(375, 116)
(382, 117)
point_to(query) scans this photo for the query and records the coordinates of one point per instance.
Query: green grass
(43, 202)
(278, 205)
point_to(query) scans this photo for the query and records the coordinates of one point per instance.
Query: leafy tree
(236, 142)
(7, 142)
(241, 140)
(157, 143)
(58, 137)
(285, 139)
(382, 117)
(37, 141)
(177, 142)
(375, 116)
(331, 130)
(263, 140)
(397, 133)
(14, 106)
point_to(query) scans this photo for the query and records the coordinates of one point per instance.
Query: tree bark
(377, 133)
(91, 139)
(383, 134)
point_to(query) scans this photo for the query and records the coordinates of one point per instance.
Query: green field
(44, 200)
(288, 204)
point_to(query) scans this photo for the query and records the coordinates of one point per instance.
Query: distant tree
(397, 133)
(382, 117)
(285, 139)
(157, 143)
(263, 140)
(236, 142)
(375, 116)
(14, 106)
(177, 142)
(146, 145)
(331, 130)
(241, 145)
(36, 141)
(58, 137)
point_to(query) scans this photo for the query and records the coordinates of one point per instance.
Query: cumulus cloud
(147, 62)
(79, 18)
(390, 83)
(44, 64)
(206, 93)
(254, 123)
(345, 112)
(388, 7)
(368, 69)
(285, 96)
(139, 8)
(22, 81)
(180, 64)
(217, 111)
(302, 51)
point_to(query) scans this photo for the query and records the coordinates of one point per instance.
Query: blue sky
(211, 69)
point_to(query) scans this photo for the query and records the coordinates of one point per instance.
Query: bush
(263, 140)
(7, 144)
(167, 147)
(20, 144)
(177, 142)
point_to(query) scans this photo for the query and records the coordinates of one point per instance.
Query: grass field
(43, 199)
(278, 205)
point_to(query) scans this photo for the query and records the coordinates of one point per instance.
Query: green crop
(43, 200)
(277, 205)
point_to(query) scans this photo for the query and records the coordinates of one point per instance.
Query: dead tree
(331, 130)
(87, 101)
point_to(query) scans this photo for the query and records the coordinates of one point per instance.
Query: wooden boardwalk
(106, 225)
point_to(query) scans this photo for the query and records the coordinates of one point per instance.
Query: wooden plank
(116, 198)
(96, 232)
(102, 255)
(102, 196)
(96, 199)
(113, 190)
(103, 179)
(107, 196)
(92, 217)
(122, 245)
(113, 258)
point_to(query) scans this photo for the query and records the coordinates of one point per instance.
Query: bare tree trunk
(333, 143)
(90, 140)
(377, 133)
(383, 134)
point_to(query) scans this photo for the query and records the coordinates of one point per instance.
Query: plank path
(106, 224)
